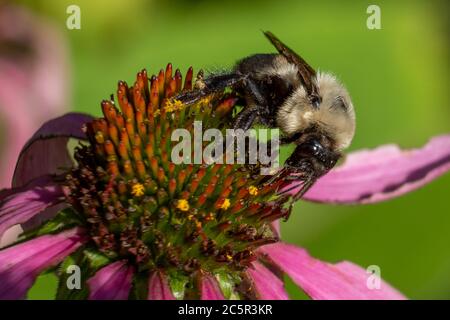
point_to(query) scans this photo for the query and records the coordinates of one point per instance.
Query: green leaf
(64, 292)
(140, 286)
(89, 261)
(227, 283)
(65, 219)
(96, 259)
(177, 283)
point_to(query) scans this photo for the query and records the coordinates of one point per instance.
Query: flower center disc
(140, 206)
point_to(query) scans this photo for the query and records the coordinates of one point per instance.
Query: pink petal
(46, 152)
(267, 284)
(33, 80)
(16, 128)
(386, 172)
(39, 197)
(209, 289)
(158, 287)
(324, 281)
(276, 227)
(112, 282)
(22, 263)
(10, 236)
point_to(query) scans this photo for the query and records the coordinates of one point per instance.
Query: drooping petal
(158, 287)
(386, 172)
(40, 196)
(46, 152)
(324, 281)
(267, 284)
(359, 275)
(209, 289)
(22, 263)
(112, 282)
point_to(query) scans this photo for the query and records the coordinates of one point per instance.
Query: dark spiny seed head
(141, 207)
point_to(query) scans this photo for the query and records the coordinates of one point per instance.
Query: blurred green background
(398, 77)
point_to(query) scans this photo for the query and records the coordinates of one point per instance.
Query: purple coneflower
(140, 227)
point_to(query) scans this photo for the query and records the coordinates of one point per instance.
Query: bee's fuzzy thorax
(335, 116)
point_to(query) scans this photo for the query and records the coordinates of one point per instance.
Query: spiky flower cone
(183, 220)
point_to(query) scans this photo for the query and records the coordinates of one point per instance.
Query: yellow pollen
(190, 217)
(253, 190)
(226, 204)
(169, 107)
(173, 105)
(229, 257)
(205, 100)
(177, 104)
(137, 189)
(183, 205)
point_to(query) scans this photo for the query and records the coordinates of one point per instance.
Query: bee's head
(327, 114)
(313, 155)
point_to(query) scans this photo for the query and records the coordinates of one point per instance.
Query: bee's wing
(306, 72)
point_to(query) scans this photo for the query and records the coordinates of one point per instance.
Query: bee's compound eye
(315, 148)
(312, 148)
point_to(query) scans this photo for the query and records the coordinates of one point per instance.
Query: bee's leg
(221, 81)
(244, 120)
(190, 97)
(256, 104)
(211, 84)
